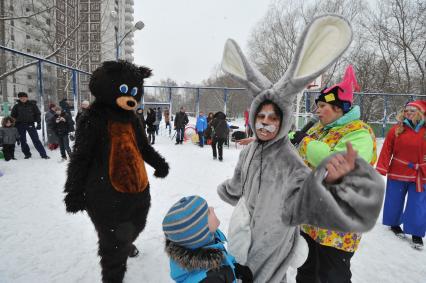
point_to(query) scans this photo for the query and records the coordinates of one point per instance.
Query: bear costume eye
(134, 91)
(124, 88)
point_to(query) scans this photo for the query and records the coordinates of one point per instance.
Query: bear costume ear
(145, 72)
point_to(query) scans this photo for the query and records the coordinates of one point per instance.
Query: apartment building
(82, 33)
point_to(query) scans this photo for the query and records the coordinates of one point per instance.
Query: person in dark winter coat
(197, 252)
(52, 138)
(106, 174)
(8, 137)
(85, 104)
(65, 106)
(26, 113)
(62, 125)
(219, 131)
(181, 120)
(158, 117)
(150, 124)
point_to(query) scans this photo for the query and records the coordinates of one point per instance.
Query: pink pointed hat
(341, 94)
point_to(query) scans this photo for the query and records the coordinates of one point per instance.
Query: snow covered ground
(39, 242)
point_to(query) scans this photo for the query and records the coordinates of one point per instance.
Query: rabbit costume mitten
(281, 191)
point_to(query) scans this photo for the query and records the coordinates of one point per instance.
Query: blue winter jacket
(182, 275)
(201, 124)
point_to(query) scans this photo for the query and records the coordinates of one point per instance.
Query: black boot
(397, 231)
(417, 243)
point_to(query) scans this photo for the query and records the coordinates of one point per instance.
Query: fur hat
(420, 104)
(341, 94)
(186, 223)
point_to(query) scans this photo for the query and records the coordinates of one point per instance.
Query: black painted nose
(131, 103)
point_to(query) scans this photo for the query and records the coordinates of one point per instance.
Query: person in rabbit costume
(279, 191)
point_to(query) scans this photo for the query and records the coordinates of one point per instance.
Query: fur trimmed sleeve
(352, 205)
(230, 190)
(78, 167)
(149, 154)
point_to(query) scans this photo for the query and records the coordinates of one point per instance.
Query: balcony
(128, 17)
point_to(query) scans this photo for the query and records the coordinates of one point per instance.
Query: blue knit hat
(186, 223)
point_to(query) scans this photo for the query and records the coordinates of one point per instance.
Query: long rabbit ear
(323, 41)
(235, 64)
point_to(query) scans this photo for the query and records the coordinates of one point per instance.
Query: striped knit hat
(186, 223)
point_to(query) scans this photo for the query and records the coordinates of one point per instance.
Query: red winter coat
(403, 158)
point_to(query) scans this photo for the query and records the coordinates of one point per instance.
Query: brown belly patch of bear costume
(126, 166)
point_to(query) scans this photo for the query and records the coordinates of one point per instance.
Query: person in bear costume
(106, 173)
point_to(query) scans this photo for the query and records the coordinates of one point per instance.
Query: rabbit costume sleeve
(280, 190)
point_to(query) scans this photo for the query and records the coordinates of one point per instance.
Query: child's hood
(320, 45)
(205, 258)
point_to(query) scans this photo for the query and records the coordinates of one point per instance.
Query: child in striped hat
(195, 245)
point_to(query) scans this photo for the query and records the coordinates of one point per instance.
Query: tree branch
(27, 16)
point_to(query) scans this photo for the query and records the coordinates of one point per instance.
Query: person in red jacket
(403, 160)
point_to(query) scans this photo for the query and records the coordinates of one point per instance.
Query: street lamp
(138, 26)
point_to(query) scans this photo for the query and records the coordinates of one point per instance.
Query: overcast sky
(183, 39)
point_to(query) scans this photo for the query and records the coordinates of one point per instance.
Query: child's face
(213, 220)
(8, 124)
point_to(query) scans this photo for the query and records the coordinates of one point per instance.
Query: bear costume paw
(75, 202)
(162, 171)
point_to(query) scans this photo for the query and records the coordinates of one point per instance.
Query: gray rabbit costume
(281, 191)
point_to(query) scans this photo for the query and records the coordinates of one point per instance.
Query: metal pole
(74, 92)
(225, 98)
(40, 93)
(385, 106)
(171, 104)
(197, 108)
(116, 44)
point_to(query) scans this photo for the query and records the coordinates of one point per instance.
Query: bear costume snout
(126, 102)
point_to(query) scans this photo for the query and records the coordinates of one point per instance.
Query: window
(29, 77)
(11, 8)
(12, 23)
(30, 90)
(48, 22)
(12, 37)
(27, 36)
(27, 9)
(27, 22)
(84, 27)
(84, 7)
(95, 7)
(94, 36)
(28, 50)
(94, 27)
(95, 17)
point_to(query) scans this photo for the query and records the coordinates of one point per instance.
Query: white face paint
(269, 128)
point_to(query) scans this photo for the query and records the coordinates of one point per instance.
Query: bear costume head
(118, 85)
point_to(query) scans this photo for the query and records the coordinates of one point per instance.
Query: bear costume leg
(115, 240)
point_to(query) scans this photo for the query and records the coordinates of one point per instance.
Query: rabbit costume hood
(314, 55)
(279, 189)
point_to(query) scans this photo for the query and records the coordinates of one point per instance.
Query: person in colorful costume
(339, 122)
(403, 160)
